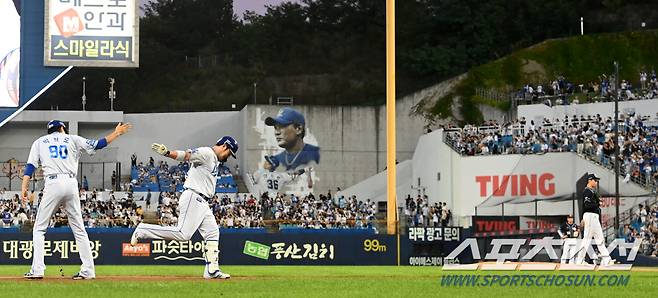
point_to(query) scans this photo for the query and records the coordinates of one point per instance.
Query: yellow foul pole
(390, 117)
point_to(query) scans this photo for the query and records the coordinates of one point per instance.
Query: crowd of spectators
(245, 211)
(419, 212)
(12, 211)
(241, 212)
(114, 212)
(161, 176)
(321, 211)
(644, 226)
(591, 136)
(561, 91)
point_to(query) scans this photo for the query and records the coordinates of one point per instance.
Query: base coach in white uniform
(58, 153)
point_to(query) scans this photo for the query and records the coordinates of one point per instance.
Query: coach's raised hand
(121, 129)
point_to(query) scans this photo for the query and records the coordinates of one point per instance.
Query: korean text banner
(113, 247)
(92, 33)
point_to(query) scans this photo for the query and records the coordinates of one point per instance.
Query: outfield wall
(110, 246)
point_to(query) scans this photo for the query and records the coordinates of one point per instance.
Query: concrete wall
(352, 139)
(179, 131)
(374, 187)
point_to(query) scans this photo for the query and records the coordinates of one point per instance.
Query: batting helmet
(231, 143)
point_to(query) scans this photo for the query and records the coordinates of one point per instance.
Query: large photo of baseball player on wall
(289, 130)
(291, 166)
(10, 42)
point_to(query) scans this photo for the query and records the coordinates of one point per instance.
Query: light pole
(112, 94)
(255, 84)
(582, 26)
(84, 93)
(616, 126)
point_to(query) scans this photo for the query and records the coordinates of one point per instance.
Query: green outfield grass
(295, 281)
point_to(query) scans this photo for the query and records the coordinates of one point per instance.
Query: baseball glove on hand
(160, 149)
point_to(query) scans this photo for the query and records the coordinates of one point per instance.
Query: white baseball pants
(62, 190)
(193, 214)
(569, 250)
(593, 230)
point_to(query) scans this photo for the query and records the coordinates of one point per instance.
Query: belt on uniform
(55, 176)
(200, 194)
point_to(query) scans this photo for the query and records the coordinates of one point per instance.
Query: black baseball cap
(593, 177)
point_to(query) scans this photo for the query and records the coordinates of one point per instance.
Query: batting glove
(160, 149)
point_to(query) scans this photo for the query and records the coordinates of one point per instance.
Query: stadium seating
(162, 177)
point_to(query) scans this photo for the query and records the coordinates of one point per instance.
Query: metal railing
(525, 98)
(608, 162)
(493, 94)
(99, 175)
(376, 224)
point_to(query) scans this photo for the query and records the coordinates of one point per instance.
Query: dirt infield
(645, 269)
(170, 278)
(122, 278)
(165, 278)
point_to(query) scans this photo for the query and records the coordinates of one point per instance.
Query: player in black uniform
(591, 223)
(569, 232)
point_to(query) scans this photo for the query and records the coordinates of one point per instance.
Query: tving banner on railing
(487, 182)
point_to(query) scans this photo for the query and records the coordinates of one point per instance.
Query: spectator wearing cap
(6, 218)
(289, 130)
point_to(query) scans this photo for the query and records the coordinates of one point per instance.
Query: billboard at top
(91, 33)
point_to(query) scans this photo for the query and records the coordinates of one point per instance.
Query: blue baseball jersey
(291, 161)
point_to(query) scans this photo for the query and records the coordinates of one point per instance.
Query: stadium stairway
(242, 186)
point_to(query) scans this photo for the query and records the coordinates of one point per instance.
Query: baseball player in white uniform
(194, 212)
(58, 154)
(591, 223)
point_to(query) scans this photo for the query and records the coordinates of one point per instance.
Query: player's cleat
(134, 239)
(79, 276)
(30, 275)
(217, 275)
(212, 258)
